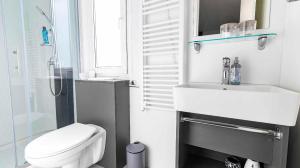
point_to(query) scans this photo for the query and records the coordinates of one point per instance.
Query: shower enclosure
(36, 89)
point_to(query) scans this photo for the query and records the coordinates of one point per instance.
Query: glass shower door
(33, 107)
(28, 107)
(7, 148)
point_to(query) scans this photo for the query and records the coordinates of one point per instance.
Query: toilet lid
(59, 141)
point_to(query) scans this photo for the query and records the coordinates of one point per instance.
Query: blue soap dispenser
(235, 72)
(45, 35)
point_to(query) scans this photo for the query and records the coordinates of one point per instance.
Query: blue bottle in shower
(45, 35)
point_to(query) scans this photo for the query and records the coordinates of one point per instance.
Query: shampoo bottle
(45, 35)
(235, 72)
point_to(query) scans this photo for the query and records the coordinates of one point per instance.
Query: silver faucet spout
(226, 71)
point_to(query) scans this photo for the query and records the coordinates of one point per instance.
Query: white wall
(62, 25)
(290, 76)
(259, 67)
(291, 56)
(157, 129)
(86, 36)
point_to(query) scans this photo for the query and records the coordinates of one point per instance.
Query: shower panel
(36, 80)
(7, 158)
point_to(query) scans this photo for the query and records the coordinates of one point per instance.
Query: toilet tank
(106, 103)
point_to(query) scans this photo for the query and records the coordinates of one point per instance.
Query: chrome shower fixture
(40, 10)
(53, 61)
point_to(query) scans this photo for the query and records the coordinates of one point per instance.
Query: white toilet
(74, 146)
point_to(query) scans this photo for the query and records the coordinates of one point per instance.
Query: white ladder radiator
(161, 50)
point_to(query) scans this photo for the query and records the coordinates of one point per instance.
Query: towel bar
(277, 134)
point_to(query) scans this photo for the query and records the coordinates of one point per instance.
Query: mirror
(209, 15)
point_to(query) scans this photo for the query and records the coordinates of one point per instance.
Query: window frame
(113, 71)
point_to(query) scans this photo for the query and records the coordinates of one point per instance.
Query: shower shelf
(46, 45)
(262, 39)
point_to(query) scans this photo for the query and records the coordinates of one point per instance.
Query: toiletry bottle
(235, 72)
(45, 35)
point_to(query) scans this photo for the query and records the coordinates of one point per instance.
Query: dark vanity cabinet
(106, 103)
(206, 141)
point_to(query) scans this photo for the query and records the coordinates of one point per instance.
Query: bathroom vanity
(248, 121)
(207, 141)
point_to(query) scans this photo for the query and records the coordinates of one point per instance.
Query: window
(103, 36)
(110, 34)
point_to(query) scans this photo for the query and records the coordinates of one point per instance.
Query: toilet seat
(59, 141)
(74, 146)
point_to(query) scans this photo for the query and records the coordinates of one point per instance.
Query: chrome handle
(196, 14)
(277, 134)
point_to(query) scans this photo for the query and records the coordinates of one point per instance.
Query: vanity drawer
(244, 144)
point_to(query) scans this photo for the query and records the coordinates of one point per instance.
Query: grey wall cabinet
(65, 101)
(106, 103)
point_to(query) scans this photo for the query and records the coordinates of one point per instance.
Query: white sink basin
(258, 103)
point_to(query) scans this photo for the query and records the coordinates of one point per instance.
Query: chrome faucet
(226, 71)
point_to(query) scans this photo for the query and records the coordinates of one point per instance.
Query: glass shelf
(219, 38)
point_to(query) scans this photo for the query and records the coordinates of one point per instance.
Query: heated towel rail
(162, 40)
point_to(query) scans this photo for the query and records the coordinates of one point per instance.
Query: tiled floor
(7, 155)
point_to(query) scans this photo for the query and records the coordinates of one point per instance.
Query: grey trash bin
(135, 155)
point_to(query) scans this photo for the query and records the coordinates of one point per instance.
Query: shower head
(44, 14)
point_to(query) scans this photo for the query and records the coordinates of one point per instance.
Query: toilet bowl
(74, 146)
